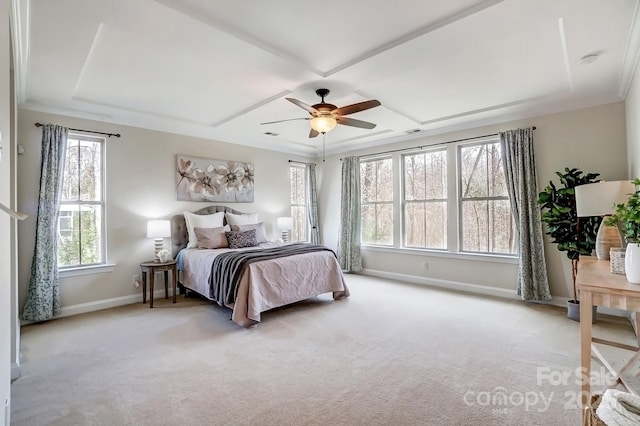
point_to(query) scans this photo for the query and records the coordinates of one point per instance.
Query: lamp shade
(158, 229)
(285, 223)
(323, 124)
(600, 198)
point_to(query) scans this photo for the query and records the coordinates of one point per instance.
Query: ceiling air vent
(412, 131)
(271, 134)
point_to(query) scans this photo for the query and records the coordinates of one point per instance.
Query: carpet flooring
(391, 354)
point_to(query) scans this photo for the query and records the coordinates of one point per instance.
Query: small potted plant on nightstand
(558, 204)
(627, 218)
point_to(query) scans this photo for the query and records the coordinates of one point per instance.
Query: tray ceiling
(219, 69)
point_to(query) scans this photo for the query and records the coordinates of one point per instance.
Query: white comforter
(268, 284)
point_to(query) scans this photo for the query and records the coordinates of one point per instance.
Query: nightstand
(149, 269)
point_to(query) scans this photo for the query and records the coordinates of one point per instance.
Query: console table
(600, 287)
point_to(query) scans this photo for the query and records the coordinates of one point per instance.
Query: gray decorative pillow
(239, 239)
(261, 233)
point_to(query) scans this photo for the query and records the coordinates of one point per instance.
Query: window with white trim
(376, 201)
(298, 187)
(425, 199)
(451, 198)
(486, 222)
(81, 223)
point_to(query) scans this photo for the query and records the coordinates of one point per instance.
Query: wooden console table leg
(585, 346)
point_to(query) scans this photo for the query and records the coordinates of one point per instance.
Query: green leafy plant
(627, 216)
(559, 214)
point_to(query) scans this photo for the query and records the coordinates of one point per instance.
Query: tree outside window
(298, 187)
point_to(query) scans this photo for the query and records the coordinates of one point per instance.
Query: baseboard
(98, 305)
(446, 284)
(15, 371)
(480, 289)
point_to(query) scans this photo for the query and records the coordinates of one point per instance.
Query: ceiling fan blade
(304, 106)
(313, 133)
(289, 119)
(361, 106)
(355, 123)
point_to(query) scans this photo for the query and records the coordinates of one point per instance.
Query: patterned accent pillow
(239, 239)
(212, 238)
(261, 232)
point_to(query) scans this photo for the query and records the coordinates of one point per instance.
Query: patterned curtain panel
(349, 244)
(520, 173)
(43, 296)
(312, 203)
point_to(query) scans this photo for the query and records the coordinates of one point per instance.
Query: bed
(254, 279)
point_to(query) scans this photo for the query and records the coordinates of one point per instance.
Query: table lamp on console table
(599, 199)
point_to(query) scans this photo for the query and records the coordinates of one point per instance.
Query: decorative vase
(632, 263)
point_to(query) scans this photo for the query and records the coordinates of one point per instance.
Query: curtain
(520, 173)
(43, 295)
(349, 244)
(312, 204)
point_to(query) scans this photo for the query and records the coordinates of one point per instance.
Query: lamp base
(159, 242)
(607, 238)
(285, 236)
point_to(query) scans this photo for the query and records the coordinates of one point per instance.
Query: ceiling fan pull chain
(324, 135)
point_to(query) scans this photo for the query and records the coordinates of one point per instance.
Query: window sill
(480, 257)
(86, 270)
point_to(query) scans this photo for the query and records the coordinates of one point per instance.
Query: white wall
(632, 104)
(592, 139)
(6, 182)
(140, 185)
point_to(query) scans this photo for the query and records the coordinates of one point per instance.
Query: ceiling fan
(324, 116)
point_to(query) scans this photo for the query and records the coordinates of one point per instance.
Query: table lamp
(599, 199)
(158, 229)
(285, 224)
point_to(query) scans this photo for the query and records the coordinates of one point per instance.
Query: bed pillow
(261, 233)
(212, 238)
(240, 239)
(241, 219)
(201, 221)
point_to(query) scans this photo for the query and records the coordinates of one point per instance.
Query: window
(297, 184)
(376, 192)
(81, 218)
(425, 200)
(451, 198)
(486, 222)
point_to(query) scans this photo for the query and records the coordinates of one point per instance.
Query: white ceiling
(217, 69)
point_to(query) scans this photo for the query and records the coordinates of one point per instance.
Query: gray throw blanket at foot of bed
(227, 268)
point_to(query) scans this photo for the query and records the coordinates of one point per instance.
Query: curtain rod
(117, 135)
(430, 145)
(300, 162)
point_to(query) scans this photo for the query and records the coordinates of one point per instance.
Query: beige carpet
(391, 354)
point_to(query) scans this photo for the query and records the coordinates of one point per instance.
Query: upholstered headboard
(179, 236)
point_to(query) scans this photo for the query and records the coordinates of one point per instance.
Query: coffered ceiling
(217, 69)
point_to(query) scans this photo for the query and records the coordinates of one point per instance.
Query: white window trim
(104, 266)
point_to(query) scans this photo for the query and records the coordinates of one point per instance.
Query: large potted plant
(572, 235)
(627, 218)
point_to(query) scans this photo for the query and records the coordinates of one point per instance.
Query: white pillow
(261, 232)
(241, 219)
(201, 221)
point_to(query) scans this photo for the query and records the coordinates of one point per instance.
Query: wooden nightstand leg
(166, 284)
(143, 275)
(174, 275)
(151, 279)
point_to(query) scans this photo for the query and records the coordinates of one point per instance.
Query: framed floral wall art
(202, 179)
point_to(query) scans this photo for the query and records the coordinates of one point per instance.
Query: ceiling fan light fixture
(323, 124)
